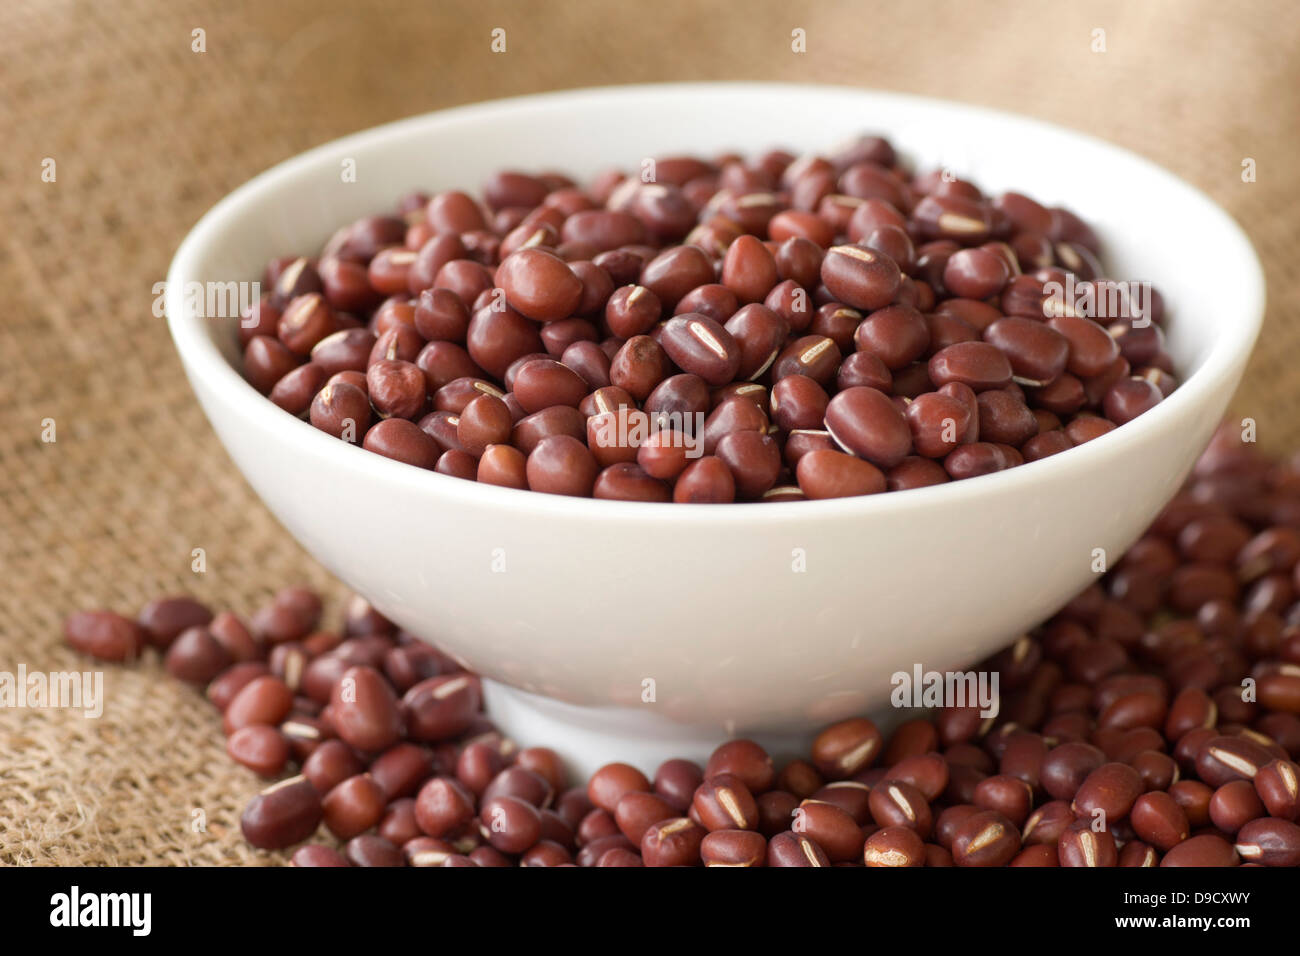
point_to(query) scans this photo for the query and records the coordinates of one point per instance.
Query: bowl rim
(203, 360)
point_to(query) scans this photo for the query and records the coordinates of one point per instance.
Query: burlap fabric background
(147, 134)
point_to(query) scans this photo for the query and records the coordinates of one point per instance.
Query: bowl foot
(589, 737)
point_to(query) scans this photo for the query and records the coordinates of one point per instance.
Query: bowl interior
(1154, 227)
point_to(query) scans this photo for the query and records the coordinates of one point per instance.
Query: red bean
(306, 320)
(197, 656)
(494, 339)
(562, 465)
(1128, 398)
(975, 273)
(364, 710)
(163, 619)
(725, 803)
(611, 782)
(754, 460)
(503, 465)
(749, 269)
(816, 356)
(353, 806)
(1270, 842)
(706, 480)
(539, 284)
(832, 474)
(676, 271)
(403, 441)
(639, 365)
(260, 748)
(1092, 349)
(985, 838)
(866, 423)
(103, 635)
(632, 310)
(938, 423)
(976, 364)
(441, 707)
(263, 700)
(443, 806)
(859, 276)
(700, 346)
(484, 421)
(626, 481)
(1203, 850)
(281, 815)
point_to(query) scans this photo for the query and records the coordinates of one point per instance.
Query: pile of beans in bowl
(712, 330)
(1154, 720)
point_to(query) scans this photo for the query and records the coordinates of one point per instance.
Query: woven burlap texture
(146, 134)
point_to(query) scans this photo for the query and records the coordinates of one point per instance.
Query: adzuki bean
(1122, 740)
(848, 273)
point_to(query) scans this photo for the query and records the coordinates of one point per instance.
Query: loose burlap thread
(146, 133)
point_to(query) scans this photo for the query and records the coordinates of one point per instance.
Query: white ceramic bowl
(612, 629)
